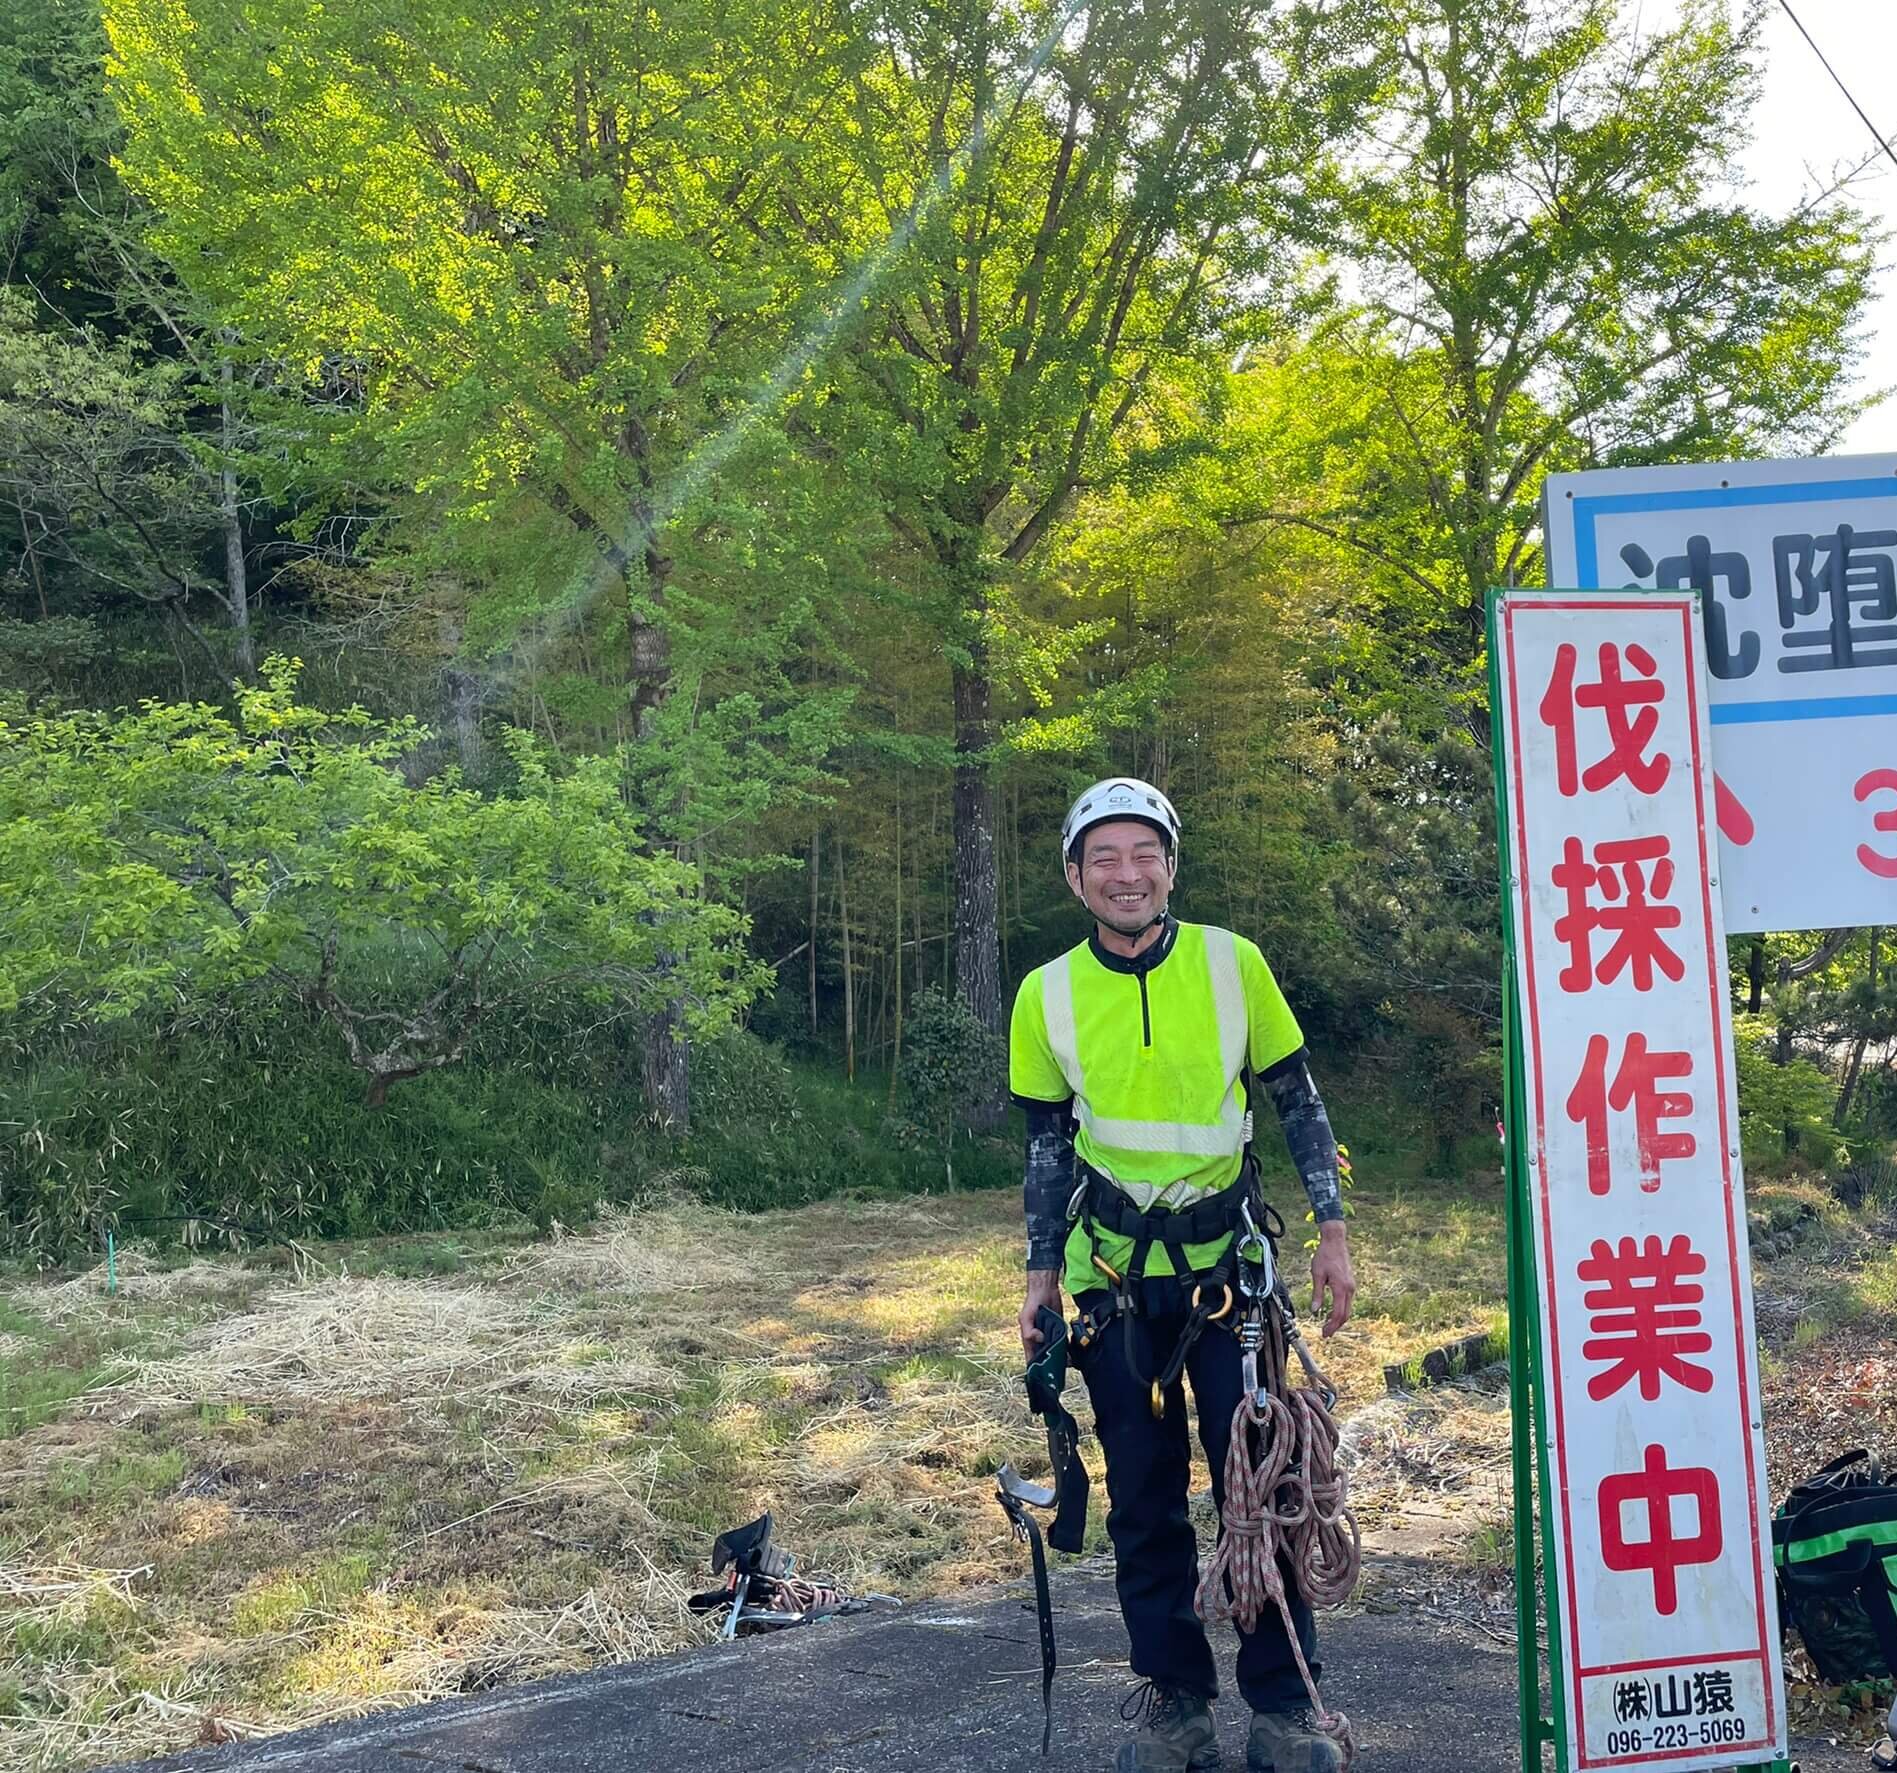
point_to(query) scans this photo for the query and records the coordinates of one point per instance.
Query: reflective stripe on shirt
(1224, 1137)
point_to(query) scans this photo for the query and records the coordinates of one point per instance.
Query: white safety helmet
(1119, 797)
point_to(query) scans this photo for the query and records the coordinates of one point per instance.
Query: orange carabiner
(1223, 1311)
(1112, 1274)
(1158, 1402)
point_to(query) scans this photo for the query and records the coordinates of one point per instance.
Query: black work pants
(1149, 1464)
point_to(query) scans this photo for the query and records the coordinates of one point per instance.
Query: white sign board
(1796, 565)
(1659, 1540)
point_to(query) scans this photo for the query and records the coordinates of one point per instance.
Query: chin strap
(1158, 920)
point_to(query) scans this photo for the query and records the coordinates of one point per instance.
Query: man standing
(1132, 1054)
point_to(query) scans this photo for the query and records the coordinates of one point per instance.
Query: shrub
(949, 1062)
(174, 854)
(249, 1116)
(1781, 1107)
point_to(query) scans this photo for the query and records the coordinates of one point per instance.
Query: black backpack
(1834, 1545)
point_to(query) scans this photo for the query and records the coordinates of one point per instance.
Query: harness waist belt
(1201, 1223)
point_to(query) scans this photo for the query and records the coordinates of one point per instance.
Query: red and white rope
(1290, 1496)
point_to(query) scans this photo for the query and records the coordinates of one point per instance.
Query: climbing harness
(761, 1590)
(1289, 1494)
(1067, 1496)
(1099, 1201)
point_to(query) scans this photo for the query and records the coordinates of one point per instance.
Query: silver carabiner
(1253, 1252)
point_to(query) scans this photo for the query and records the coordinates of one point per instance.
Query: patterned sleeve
(1307, 1131)
(1049, 1182)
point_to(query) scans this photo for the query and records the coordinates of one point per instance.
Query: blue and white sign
(1796, 566)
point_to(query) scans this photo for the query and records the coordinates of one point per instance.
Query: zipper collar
(1139, 964)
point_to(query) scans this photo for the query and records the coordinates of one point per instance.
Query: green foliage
(1421, 894)
(253, 1119)
(1554, 275)
(93, 475)
(1782, 1107)
(57, 135)
(826, 432)
(549, 249)
(248, 1118)
(176, 852)
(950, 1060)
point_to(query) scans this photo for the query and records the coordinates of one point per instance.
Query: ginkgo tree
(1558, 268)
(1061, 216)
(547, 241)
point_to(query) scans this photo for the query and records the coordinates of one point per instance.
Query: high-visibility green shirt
(1153, 1053)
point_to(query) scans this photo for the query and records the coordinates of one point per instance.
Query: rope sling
(1289, 1496)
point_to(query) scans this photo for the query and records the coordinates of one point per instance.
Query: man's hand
(1043, 1289)
(1330, 1271)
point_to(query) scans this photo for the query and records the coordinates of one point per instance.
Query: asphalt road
(950, 1686)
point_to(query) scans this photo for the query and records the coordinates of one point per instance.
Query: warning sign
(1658, 1539)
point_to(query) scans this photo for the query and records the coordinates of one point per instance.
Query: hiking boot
(1176, 1733)
(1290, 1742)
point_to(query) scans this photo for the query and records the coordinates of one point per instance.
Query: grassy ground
(234, 1497)
(238, 1494)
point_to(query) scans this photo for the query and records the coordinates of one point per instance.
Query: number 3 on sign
(1878, 782)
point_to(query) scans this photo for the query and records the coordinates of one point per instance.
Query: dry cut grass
(272, 1501)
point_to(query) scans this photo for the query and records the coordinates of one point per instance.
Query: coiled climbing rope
(1288, 1496)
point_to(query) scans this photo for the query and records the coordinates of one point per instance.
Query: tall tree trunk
(849, 980)
(915, 911)
(895, 1051)
(1782, 1048)
(461, 690)
(663, 1073)
(31, 553)
(1755, 977)
(1007, 886)
(977, 943)
(236, 582)
(1854, 1069)
(810, 968)
(667, 1057)
(464, 715)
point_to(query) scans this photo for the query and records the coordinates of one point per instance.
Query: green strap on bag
(1834, 1547)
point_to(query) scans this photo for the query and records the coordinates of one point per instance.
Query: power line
(1833, 72)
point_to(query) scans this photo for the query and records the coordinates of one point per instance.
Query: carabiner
(1253, 1250)
(1224, 1310)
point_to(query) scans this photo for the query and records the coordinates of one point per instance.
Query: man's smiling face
(1125, 876)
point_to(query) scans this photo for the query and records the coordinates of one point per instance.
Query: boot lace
(1152, 1703)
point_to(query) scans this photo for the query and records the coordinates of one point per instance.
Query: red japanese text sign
(1659, 1543)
